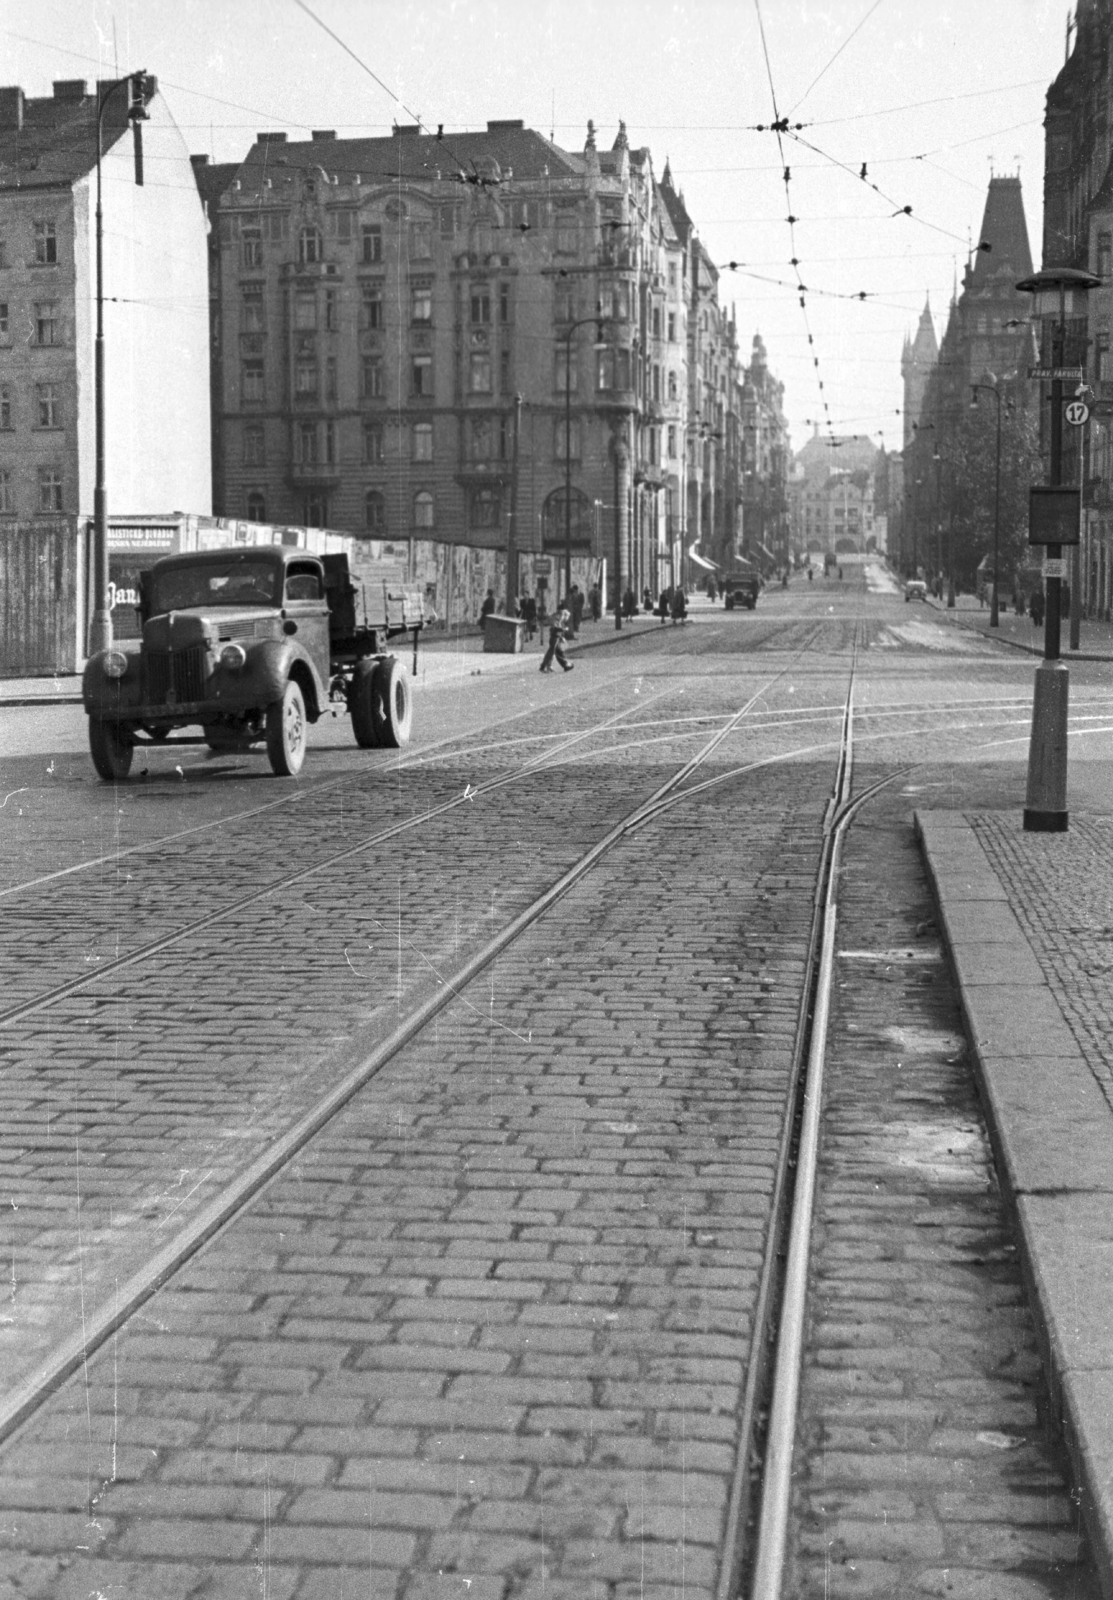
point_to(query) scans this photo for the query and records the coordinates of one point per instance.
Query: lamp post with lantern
(1058, 296)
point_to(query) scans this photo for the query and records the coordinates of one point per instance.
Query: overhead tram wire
(823, 72)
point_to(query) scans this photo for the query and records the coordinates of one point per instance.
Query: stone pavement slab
(1032, 963)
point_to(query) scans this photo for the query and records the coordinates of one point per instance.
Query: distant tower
(917, 360)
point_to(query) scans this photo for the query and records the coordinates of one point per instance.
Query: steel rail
(101, 1322)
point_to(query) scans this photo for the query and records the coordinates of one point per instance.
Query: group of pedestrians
(672, 602)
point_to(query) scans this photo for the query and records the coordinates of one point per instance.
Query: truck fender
(270, 665)
(109, 698)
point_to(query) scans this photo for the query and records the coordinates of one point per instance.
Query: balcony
(313, 474)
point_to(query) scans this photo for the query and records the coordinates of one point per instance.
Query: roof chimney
(11, 108)
(197, 162)
(507, 126)
(70, 88)
(319, 134)
(402, 129)
(272, 138)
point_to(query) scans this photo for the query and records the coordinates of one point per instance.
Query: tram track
(100, 1323)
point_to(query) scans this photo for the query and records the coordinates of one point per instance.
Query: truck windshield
(216, 583)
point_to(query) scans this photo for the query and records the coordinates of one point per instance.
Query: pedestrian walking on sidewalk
(576, 606)
(487, 608)
(679, 606)
(595, 602)
(664, 603)
(557, 635)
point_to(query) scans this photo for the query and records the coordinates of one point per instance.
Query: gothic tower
(917, 360)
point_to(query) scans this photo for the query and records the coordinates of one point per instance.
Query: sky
(932, 96)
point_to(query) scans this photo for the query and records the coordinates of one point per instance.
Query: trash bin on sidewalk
(502, 635)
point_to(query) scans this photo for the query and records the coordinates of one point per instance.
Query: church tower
(917, 360)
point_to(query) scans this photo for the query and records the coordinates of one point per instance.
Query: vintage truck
(253, 644)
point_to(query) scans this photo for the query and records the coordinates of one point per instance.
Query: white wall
(157, 438)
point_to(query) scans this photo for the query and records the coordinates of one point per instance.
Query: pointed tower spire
(621, 141)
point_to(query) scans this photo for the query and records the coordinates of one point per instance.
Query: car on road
(741, 592)
(915, 589)
(253, 645)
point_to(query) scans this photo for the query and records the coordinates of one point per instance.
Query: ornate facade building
(831, 496)
(422, 338)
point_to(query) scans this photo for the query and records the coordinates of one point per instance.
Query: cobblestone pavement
(1062, 891)
(488, 1336)
(928, 1465)
(212, 1049)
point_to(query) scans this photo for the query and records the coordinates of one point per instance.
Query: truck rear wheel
(287, 732)
(361, 704)
(111, 750)
(392, 703)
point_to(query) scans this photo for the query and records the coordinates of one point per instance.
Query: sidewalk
(1029, 922)
(1095, 639)
(440, 656)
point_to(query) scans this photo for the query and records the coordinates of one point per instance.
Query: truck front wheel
(391, 703)
(111, 750)
(361, 704)
(287, 732)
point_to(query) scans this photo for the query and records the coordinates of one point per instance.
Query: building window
(479, 372)
(256, 506)
(569, 430)
(372, 444)
(486, 508)
(421, 302)
(47, 326)
(48, 405)
(330, 310)
(372, 238)
(253, 445)
(316, 511)
(504, 371)
(614, 300)
(305, 379)
(564, 302)
(330, 456)
(371, 378)
(480, 303)
(330, 378)
(305, 309)
(254, 320)
(252, 384)
(672, 443)
(3, 253)
(374, 511)
(7, 494)
(567, 232)
(423, 441)
(657, 384)
(5, 407)
(5, 325)
(251, 247)
(423, 509)
(613, 371)
(656, 322)
(50, 489)
(652, 446)
(504, 302)
(421, 240)
(422, 377)
(46, 244)
(371, 306)
(673, 394)
(309, 247)
(672, 327)
(1103, 369)
(566, 375)
(1105, 254)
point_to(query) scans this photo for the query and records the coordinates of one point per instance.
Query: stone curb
(1051, 1128)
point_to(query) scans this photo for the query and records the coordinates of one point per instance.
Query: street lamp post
(994, 605)
(1057, 293)
(100, 624)
(580, 322)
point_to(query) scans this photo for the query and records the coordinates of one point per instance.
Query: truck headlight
(233, 657)
(115, 664)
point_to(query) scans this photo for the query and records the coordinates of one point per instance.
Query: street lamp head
(1059, 291)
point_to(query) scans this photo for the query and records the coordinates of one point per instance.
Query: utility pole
(140, 88)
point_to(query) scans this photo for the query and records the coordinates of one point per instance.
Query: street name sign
(1064, 374)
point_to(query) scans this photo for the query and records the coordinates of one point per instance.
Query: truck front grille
(182, 671)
